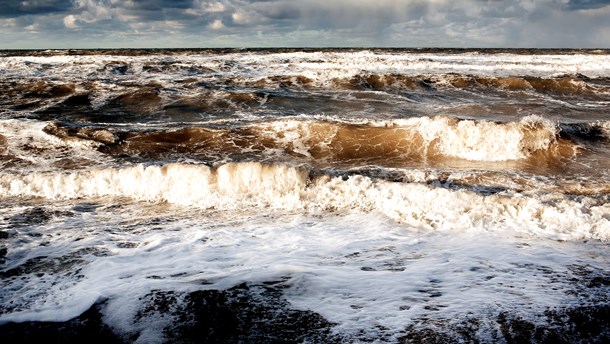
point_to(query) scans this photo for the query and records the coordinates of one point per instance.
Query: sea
(305, 195)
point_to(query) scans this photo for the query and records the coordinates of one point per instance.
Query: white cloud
(91, 11)
(241, 18)
(216, 7)
(70, 22)
(203, 7)
(34, 28)
(8, 23)
(216, 25)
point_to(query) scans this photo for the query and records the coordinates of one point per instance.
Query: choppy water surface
(305, 195)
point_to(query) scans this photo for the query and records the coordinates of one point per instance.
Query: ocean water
(294, 195)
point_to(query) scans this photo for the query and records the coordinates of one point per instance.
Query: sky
(51, 24)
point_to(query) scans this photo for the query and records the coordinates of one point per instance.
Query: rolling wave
(418, 138)
(246, 185)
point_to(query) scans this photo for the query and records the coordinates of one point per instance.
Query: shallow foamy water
(369, 275)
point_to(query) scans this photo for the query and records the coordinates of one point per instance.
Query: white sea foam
(27, 141)
(484, 140)
(245, 185)
(320, 66)
(475, 140)
(605, 127)
(361, 271)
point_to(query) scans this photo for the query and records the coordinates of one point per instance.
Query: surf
(254, 185)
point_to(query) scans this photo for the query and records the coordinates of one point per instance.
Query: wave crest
(315, 141)
(252, 184)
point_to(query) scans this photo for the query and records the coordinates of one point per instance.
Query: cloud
(202, 6)
(14, 8)
(466, 23)
(70, 21)
(241, 17)
(587, 4)
(216, 25)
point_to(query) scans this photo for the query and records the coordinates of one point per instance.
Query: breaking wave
(246, 185)
(336, 142)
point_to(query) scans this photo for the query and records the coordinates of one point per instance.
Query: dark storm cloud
(144, 9)
(587, 4)
(154, 5)
(15, 8)
(155, 9)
